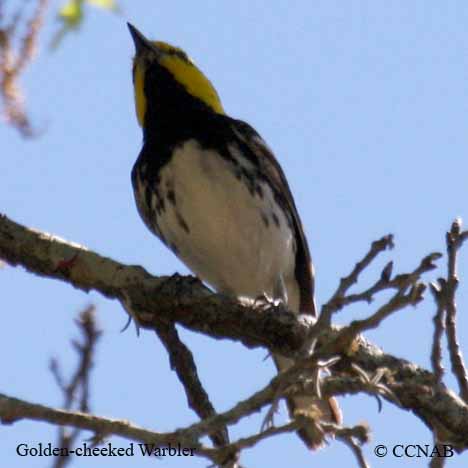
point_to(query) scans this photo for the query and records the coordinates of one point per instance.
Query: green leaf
(71, 14)
(110, 5)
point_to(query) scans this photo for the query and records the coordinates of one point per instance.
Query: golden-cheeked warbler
(210, 188)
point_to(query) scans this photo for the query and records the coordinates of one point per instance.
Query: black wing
(269, 168)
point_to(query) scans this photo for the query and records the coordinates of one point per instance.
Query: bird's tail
(316, 409)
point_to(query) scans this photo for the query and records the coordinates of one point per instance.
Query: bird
(208, 186)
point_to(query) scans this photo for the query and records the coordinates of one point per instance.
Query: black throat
(172, 113)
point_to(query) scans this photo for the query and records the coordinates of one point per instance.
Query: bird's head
(162, 71)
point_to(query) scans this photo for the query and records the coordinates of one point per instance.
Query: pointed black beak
(140, 41)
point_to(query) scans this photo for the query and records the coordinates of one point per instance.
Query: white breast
(238, 242)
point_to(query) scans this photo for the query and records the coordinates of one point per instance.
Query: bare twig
(336, 301)
(455, 239)
(399, 301)
(409, 292)
(183, 363)
(444, 292)
(230, 451)
(398, 282)
(357, 451)
(12, 64)
(354, 437)
(76, 393)
(439, 328)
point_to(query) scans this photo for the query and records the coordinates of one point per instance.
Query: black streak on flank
(265, 220)
(182, 223)
(171, 196)
(275, 219)
(248, 176)
(174, 248)
(162, 238)
(148, 196)
(160, 206)
(259, 190)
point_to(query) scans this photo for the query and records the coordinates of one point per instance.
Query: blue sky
(364, 103)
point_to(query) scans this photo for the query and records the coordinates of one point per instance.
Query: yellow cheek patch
(194, 81)
(139, 90)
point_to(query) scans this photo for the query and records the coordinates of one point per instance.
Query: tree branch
(338, 300)
(76, 392)
(455, 239)
(184, 300)
(14, 409)
(13, 62)
(187, 302)
(182, 361)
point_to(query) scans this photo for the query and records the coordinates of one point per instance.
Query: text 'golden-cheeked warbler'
(209, 187)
